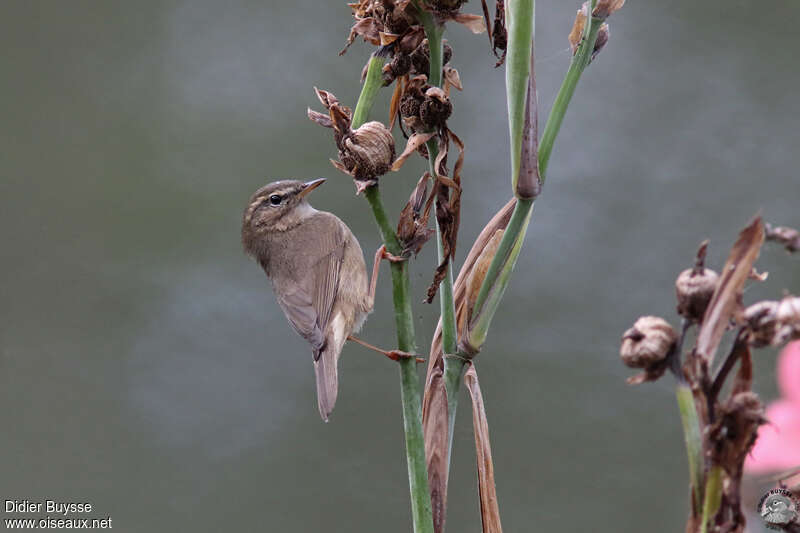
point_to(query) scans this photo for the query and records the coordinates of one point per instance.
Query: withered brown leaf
(435, 420)
(474, 23)
(414, 142)
(490, 512)
(727, 296)
(436, 434)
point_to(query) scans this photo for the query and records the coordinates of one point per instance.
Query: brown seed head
(398, 66)
(788, 315)
(409, 106)
(435, 109)
(761, 321)
(445, 6)
(367, 153)
(648, 342)
(421, 57)
(606, 7)
(733, 434)
(694, 289)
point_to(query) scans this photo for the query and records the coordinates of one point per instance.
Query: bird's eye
(275, 199)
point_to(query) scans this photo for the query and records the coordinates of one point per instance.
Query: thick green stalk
(372, 84)
(691, 433)
(453, 368)
(519, 22)
(409, 380)
(517, 87)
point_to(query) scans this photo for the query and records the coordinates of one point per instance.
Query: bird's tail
(326, 363)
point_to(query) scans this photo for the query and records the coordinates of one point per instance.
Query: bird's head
(276, 207)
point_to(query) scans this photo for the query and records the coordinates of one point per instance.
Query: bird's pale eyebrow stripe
(261, 198)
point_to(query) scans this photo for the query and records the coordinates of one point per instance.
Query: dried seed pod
(421, 57)
(604, 8)
(367, 153)
(761, 320)
(445, 6)
(788, 316)
(647, 345)
(409, 106)
(603, 35)
(648, 342)
(734, 432)
(400, 65)
(435, 109)
(694, 289)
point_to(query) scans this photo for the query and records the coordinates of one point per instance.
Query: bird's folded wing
(299, 310)
(308, 306)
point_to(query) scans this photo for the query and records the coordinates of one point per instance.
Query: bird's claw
(391, 257)
(397, 355)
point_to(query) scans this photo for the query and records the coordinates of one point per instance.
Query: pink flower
(778, 444)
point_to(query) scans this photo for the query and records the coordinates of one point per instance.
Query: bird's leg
(380, 254)
(394, 355)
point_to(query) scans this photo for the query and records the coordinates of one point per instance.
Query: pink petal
(778, 444)
(788, 369)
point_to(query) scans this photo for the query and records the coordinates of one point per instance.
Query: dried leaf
(451, 79)
(755, 275)
(320, 118)
(387, 38)
(576, 33)
(339, 166)
(604, 8)
(498, 221)
(414, 142)
(727, 296)
(434, 409)
(397, 95)
(474, 23)
(499, 32)
(743, 380)
(788, 237)
(412, 228)
(326, 98)
(490, 513)
(367, 28)
(435, 421)
(487, 20)
(478, 273)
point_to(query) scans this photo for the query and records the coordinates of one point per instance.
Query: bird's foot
(394, 355)
(384, 254)
(397, 355)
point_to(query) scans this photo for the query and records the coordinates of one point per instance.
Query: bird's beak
(310, 186)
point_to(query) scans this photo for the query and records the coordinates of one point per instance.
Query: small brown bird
(318, 274)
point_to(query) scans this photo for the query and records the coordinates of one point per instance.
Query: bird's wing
(308, 306)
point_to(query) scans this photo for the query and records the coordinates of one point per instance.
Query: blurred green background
(146, 368)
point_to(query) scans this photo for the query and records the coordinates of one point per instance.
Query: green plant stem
(409, 380)
(691, 433)
(520, 24)
(453, 368)
(579, 63)
(372, 84)
(576, 68)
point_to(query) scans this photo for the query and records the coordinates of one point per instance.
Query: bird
(318, 274)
